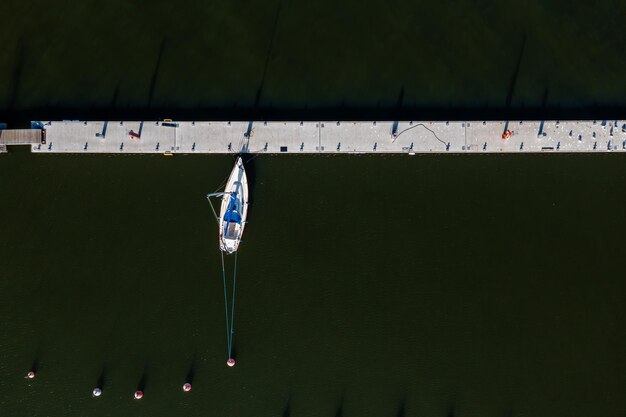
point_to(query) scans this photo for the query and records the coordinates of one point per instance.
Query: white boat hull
(234, 209)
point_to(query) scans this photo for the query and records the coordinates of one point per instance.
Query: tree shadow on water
(305, 112)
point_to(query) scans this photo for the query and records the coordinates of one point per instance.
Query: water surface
(302, 59)
(367, 286)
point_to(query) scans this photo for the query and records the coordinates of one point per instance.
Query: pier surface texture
(18, 137)
(328, 137)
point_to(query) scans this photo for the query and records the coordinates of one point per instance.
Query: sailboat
(231, 222)
(234, 209)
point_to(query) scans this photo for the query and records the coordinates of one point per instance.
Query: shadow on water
(17, 117)
(400, 98)
(35, 366)
(191, 373)
(401, 409)
(16, 76)
(251, 172)
(141, 385)
(116, 94)
(340, 405)
(287, 409)
(268, 56)
(155, 73)
(544, 98)
(511, 91)
(22, 118)
(102, 378)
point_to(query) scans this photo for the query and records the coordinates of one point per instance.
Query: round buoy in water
(138, 394)
(187, 387)
(230, 362)
(96, 392)
(30, 375)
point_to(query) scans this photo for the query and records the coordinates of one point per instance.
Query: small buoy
(187, 387)
(30, 375)
(96, 392)
(138, 394)
(230, 362)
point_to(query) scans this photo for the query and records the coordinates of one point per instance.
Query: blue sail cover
(232, 216)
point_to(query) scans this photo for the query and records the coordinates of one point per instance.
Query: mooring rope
(232, 313)
(419, 125)
(230, 320)
(228, 329)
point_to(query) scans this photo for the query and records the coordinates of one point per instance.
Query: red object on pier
(507, 134)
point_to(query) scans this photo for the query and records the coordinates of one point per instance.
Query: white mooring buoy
(230, 362)
(96, 392)
(187, 387)
(31, 375)
(138, 394)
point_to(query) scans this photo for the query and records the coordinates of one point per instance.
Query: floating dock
(330, 137)
(18, 137)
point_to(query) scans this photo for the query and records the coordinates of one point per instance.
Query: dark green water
(368, 286)
(306, 59)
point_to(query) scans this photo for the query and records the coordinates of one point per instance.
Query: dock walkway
(332, 137)
(19, 137)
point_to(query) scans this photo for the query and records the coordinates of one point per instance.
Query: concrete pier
(332, 137)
